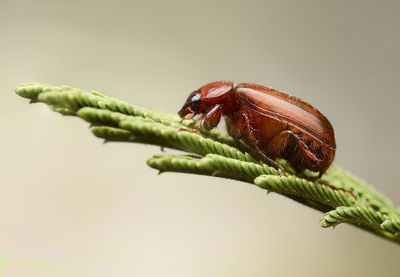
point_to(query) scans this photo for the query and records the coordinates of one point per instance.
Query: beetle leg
(255, 143)
(249, 128)
(304, 147)
(189, 114)
(279, 142)
(324, 183)
(206, 118)
(271, 161)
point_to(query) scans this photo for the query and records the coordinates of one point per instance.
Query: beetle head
(191, 106)
(201, 100)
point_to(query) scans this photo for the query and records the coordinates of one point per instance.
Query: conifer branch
(215, 153)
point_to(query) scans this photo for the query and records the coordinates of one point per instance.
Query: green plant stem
(215, 153)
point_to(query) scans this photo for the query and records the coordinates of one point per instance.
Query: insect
(273, 123)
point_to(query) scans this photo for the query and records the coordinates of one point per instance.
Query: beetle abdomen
(287, 109)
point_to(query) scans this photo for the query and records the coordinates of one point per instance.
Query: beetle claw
(321, 182)
(190, 131)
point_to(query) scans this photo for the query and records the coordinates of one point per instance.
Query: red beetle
(274, 123)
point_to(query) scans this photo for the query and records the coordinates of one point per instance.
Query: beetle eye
(195, 97)
(195, 101)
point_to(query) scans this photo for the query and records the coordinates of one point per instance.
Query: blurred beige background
(71, 206)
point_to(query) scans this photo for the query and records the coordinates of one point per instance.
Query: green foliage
(215, 153)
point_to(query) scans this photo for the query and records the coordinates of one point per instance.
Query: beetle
(274, 123)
